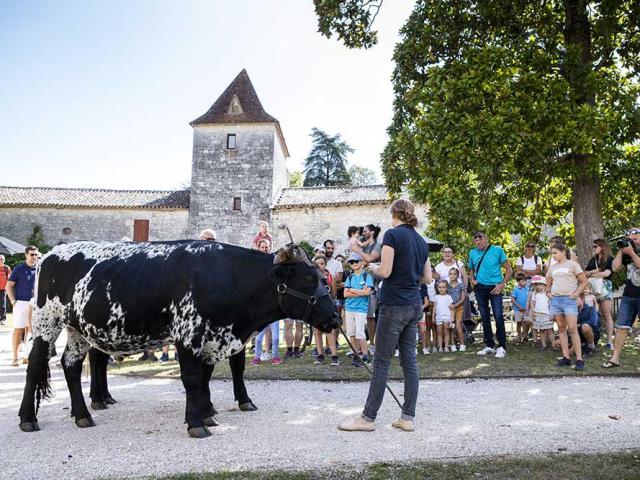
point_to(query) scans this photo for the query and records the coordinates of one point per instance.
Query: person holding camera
(628, 256)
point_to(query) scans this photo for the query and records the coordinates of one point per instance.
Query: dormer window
(231, 141)
(237, 204)
(234, 106)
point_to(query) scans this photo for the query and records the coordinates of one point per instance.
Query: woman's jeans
(484, 297)
(397, 325)
(275, 339)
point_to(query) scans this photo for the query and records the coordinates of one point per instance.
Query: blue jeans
(629, 310)
(397, 325)
(275, 339)
(484, 297)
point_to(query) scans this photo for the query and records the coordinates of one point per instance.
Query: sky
(98, 94)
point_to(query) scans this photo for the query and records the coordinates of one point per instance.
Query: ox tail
(38, 371)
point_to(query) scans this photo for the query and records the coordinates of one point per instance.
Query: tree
(512, 115)
(326, 164)
(362, 176)
(296, 179)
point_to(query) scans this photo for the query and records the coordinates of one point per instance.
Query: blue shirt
(402, 287)
(520, 295)
(25, 277)
(358, 282)
(490, 269)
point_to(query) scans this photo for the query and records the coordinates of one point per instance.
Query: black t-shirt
(631, 290)
(595, 265)
(402, 288)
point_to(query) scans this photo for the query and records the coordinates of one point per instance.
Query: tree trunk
(587, 209)
(587, 204)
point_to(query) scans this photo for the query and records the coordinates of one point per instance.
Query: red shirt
(259, 237)
(5, 271)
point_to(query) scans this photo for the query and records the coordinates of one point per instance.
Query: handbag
(597, 287)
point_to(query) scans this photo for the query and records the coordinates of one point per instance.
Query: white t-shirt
(541, 303)
(443, 270)
(431, 290)
(334, 267)
(442, 307)
(529, 264)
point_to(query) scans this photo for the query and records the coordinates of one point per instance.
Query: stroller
(470, 321)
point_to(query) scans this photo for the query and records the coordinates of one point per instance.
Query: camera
(623, 242)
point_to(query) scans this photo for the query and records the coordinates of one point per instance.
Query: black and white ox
(122, 298)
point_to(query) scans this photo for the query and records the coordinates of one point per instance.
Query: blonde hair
(404, 211)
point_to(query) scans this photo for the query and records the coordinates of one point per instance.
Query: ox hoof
(110, 401)
(248, 407)
(85, 422)
(199, 432)
(29, 427)
(211, 421)
(99, 405)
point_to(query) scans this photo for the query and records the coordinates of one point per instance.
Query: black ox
(122, 298)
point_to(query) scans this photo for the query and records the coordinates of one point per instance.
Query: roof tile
(325, 196)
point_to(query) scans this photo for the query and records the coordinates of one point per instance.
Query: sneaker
(608, 346)
(501, 352)
(426, 351)
(579, 365)
(564, 362)
(357, 424)
(164, 357)
(288, 354)
(486, 351)
(350, 353)
(462, 348)
(366, 360)
(372, 350)
(397, 354)
(357, 363)
(453, 348)
(314, 353)
(319, 360)
(335, 361)
(439, 350)
(275, 361)
(406, 425)
(265, 356)
(297, 354)
(256, 361)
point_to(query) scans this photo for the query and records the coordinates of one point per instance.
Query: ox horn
(290, 254)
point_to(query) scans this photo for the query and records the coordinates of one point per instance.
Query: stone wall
(219, 174)
(316, 224)
(90, 224)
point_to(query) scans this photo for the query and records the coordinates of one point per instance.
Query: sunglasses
(633, 231)
(33, 254)
(351, 262)
(530, 246)
(476, 237)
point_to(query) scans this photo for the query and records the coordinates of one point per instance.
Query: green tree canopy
(296, 178)
(326, 164)
(513, 115)
(362, 176)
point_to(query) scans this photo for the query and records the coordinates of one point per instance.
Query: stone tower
(238, 167)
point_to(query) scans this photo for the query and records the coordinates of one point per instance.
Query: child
(321, 263)
(424, 325)
(589, 298)
(519, 299)
(442, 315)
(357, 288)
(539, 307)
(354, 233)
(458, 293)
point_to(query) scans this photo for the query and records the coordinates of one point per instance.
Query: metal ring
(281, 288)
(312, 300)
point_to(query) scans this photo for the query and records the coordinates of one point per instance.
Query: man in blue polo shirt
(20, 290)
(485, 271)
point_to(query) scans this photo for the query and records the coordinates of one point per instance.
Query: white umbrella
(9, 247)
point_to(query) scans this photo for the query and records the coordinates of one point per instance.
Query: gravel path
(295, 426)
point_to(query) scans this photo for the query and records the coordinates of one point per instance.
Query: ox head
(303, 293)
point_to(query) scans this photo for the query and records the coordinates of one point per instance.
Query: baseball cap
(354, 257)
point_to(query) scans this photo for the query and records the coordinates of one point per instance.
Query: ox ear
(288, 254)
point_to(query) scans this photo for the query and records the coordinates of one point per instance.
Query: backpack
(535, 259)
(364, 277)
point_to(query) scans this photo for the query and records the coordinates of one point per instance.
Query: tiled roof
(250, 109)
(93, 198)
(324, 196)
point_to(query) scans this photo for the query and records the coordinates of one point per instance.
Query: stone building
(238, 178)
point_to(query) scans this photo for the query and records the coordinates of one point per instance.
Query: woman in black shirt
(599, 272)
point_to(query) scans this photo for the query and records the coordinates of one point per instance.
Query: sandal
(610, 364)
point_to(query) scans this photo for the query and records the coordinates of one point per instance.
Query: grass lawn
(523, 360)
(619, 466)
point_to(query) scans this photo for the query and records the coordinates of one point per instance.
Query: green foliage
(307, 247)
(37, 239)
(296, 179)
(509, 116)
(326, 164)
(351, 20)
(362, 176)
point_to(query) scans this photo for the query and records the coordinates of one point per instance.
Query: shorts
(628, 311)
(563, 305)
(356, 321)
(373, 304)
(520, 316)
(542, 321)
(21, 314)
(443, 320)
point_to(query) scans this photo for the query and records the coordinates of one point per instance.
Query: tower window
(231, 141)
(237, 203)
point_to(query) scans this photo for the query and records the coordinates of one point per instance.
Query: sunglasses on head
(633, 231)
